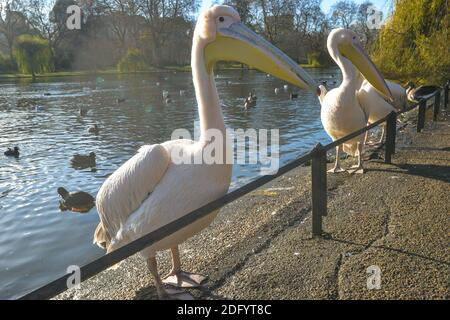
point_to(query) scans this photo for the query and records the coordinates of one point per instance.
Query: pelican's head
(226, 38)
(347, 43)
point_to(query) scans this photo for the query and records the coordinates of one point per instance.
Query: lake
(38, 241)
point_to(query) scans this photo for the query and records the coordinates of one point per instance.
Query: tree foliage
(414, 44)
(33, 55)
(132, 61)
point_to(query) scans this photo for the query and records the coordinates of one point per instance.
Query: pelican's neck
(209, 110)
(350, 74)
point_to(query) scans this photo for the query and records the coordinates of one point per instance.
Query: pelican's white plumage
(341, 112)
(152, 189)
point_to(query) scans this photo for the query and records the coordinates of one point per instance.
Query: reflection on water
(37, 241)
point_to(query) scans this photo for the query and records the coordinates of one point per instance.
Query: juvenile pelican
(151, 189)
(341, 111)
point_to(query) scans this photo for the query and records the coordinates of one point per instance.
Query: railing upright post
(391, 133)
(437, 105)
(319, 188)
(446, 88)
(421, 115)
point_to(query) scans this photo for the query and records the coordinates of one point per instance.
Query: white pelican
(341, 112)
(150, 190)
(376, 106)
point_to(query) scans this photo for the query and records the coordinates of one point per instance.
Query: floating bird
(277, 90)
(153, 188)
(12, 152)
(39, 108)
(78, 201)
(341, 111)
(83, 162)
(158, 84)
(182, 92)
(250, 101)
(285, 87)
(94, 129)
(121, 100)
(294, 96)
(415, 94)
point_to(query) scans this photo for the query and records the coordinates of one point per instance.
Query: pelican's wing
(323, 93)
(125, 190)
(374, 106)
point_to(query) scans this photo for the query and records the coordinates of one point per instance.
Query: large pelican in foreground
(341, 111)
(151, 189)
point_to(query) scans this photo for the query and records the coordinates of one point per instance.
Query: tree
(413, 45)
(13, 22)
(344, 14)
(33, 55)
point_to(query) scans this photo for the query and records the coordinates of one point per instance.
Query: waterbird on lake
(277, 90)
(94, 129)
(286, 87)
(84, 161)
(15, 152)
(121, 100)
(341, 111)
(77, 201)
(294, 96)
(150, 190)
(250, 101)
(182, 92)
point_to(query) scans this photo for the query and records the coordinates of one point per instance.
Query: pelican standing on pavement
(341, 111)
(151, 189)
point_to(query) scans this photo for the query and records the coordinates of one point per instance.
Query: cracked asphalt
(394, 217)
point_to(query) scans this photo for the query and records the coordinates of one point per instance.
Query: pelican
(376, 106)
(341, 111)
(151, 189)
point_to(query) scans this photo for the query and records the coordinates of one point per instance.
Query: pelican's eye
(221, 19)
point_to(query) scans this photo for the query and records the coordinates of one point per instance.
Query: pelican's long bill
(356, 54)
(239, 43)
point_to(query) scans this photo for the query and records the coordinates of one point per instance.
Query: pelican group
(343, 111)
(150, 190)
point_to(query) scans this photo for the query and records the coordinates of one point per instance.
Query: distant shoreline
(61, 74)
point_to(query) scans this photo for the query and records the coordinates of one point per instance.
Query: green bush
(414, 43)
(33, 55)
(132, 61)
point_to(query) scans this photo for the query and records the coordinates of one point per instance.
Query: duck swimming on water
(12, 152)
(77, 201)
(82, 161)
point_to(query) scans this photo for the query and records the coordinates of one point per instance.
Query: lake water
(37, 241)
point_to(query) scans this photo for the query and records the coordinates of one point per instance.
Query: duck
(155, 187)
(294, 96)
(12, 152)
(84, 161)
(250, 101)
(415, 94)
(94, 129)
(78, 201)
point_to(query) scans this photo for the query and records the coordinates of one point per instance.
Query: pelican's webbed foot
(357, 169)
(336, 170)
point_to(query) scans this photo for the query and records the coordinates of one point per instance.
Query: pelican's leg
(359, 167)
(163, 293)
(179, 278)
(337, 165)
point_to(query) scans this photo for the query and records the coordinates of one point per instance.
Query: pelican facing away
(376, 106)
(341, 111)
(151, 190)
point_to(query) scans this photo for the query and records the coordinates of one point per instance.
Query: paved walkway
(394, 218)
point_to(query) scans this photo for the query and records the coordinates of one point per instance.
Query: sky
(382, 5)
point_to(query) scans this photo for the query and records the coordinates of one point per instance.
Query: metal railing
(318, 159)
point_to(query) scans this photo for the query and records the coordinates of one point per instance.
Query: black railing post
(437, 105)
(391, 132)
(446, 88)
(319, 188)
(421, 115)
